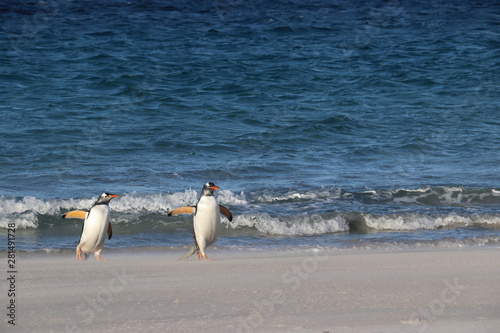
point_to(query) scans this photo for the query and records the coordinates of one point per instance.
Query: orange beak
(215, 188)
(114, 196)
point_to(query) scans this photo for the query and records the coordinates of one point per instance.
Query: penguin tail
(189, 253)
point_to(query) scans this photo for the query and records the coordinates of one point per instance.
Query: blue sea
(326, 124)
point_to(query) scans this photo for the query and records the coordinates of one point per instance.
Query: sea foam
(291, 226)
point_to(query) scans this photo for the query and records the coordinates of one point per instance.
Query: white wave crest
(24, 211)
(158, 202)
(309, 195)
(229, 198)
(295, 226)
(10, 206)
(163, 202)
(440, 195)
(21, 221)
(415, 222)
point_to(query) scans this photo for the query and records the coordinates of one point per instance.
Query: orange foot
(98, 256)
(79, 254)
(202, 256)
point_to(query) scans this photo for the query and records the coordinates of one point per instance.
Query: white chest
(207, 219)
(98, 216)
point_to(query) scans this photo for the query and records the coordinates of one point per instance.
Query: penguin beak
(215, 188)
(114, 196)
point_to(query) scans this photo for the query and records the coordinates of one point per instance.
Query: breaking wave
(286, 213)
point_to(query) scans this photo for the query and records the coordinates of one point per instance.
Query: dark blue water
(325, 123)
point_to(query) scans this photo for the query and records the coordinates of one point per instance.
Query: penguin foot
(79, 254)
(202, 256)
(98, 257)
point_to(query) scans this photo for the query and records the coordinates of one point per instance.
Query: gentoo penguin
(206, 220)
(94, 227)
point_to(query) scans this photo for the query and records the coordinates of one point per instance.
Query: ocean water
(336, 124)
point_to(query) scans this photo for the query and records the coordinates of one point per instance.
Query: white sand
(340, 291)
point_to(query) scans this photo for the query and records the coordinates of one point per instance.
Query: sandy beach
(438, 290)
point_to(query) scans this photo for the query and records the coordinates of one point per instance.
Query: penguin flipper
(77, 214)
(110, 231)
(224, 211)
(183, 210)
(189, 253)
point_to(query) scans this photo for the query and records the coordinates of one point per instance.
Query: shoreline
(244, 250)
(424, 290)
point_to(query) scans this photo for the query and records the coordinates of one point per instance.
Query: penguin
(206, 220)
(94, 227)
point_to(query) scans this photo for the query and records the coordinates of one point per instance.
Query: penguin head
(209, 188)
(105, 198)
